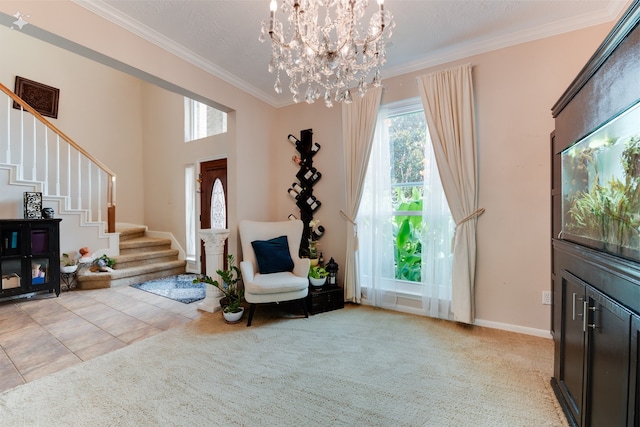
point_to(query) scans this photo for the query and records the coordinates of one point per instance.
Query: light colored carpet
(358, 366)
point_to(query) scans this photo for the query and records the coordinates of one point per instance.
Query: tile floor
(44, 334)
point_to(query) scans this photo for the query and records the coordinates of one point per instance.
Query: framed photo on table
(32, 205)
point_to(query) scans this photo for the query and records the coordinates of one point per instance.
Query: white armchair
(272, 270)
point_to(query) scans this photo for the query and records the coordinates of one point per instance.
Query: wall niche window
(201, 120)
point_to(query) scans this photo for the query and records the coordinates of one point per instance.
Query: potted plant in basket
(68, 264)
(318, 275)
(103, 264)
(231, 308)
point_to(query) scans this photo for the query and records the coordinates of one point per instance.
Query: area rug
(357, 366)
(179, 288)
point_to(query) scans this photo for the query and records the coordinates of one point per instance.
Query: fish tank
(601, 187)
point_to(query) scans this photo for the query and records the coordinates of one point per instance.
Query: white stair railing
(42, 153)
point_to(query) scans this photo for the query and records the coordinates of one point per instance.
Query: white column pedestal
(214, 248)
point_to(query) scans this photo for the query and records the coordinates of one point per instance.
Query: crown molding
(479, 46)
(114, 16)
(614, 10)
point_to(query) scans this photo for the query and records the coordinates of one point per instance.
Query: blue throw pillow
(273, 255)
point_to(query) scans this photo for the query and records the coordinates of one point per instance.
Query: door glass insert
(218, 206)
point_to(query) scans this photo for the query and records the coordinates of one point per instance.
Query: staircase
(141, 258)
(37, 156)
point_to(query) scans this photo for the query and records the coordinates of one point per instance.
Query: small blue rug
(179, 288)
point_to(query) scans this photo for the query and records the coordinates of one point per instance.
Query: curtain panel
(447, 97)
(358, 125)
(375, 255)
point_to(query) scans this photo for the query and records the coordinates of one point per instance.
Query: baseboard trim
(478, 322)
(514, 328)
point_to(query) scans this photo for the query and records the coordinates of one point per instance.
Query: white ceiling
(221, 36)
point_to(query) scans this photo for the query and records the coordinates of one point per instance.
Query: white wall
(515, 89)
(166, 155)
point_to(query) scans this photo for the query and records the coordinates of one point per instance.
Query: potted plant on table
(231, 302)
(318, 275)
(68, 264)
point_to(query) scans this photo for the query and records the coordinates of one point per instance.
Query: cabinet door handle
(584, 315)
(573, 306)
(592, 325)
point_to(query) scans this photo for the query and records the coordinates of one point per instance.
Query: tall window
(404, 224)
(201, 120)
(190, 212)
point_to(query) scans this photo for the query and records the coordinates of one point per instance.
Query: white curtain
(437, 232)
(358, 124)
(447, 97)
(375, 256)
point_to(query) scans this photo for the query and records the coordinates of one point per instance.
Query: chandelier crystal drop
(325, 50)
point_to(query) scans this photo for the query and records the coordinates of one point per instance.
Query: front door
(213, 191)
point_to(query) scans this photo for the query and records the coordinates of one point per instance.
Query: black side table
(68, 281)
(325, 298)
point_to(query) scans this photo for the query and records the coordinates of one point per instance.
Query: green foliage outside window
(407, 139)
(407, 230)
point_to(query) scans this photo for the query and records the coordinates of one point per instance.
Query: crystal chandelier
(331, 58)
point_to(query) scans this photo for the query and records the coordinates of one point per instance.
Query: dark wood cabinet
(595, 361)
(634, 374)
(595, 355)
(571, 373)
(29, 256)
(325, 298)
(595, 318)
(607, 326)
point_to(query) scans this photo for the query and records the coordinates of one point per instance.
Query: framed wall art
(42, 98)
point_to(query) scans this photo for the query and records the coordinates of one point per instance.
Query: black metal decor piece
(302, 190)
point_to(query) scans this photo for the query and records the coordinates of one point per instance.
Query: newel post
(214, 246)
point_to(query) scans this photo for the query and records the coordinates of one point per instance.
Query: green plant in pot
(104, 263)
(318, 275)
(67, 261)
(229, 287)
(68, 264)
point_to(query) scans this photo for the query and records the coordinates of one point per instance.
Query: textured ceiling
(221, 36)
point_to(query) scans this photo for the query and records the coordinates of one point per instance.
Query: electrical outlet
(546, 297)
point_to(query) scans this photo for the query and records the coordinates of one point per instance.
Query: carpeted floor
(179, 288)
(358, 366)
